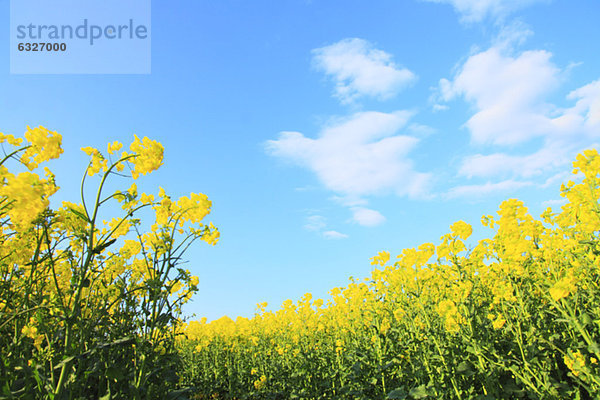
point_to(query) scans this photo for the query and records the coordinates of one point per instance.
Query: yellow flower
(575, 362)
(31, 331)
(447, 308)
(563, 288)
(10, 139)
(211, 235)
(176, 287)
(97, 163)
(260, 383)
(451, 324)
(461, 229)
(146, 199)
(28, 196)
(114, 147)
(499, 322)
(381, 259)
(45, 145)
(149, 156)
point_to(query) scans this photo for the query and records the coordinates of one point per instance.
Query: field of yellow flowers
(515, 317)
(90, 308)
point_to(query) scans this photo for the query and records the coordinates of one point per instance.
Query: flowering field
(516, 316)
(90, 308)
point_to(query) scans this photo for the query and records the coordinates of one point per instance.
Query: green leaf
(420, 392)
(586, 319)
(398, 393)
(103, 246)
(79, 214)
(63, 362)
(464, 368)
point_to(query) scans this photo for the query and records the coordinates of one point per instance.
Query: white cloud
(478, 10)
(358, 69)
(509, 94)
(367, 217)
(421, 130)
(502, 164)
(315, 223)
(357, 156)
(587, 108)
(561, 177)
(474, 191)
(512, 34)
(334, 235)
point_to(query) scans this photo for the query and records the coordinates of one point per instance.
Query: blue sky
(327, 131)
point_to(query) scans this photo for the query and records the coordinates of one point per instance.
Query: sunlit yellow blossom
(98, 162)
(461, 229)
(575, 362)
(149, 156)
(212, 235)
(45, 145)
(114, 147)
(563, 288)
(31, 331)
(10, 139)
(146, 199)
(499, 322)
(381, 259)
(28, 196)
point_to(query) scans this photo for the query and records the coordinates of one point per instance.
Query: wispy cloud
(502, 164)
(477, 191)
(557, 203)
(315, 223)
(367, 217)
(358, 69)
(334, 235)
(318, 224)
(560, 177)
(478, 10)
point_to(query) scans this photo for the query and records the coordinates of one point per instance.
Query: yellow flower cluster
(44, 146)
(149, 156)
(65, 265)
(31, 332)
(575, 362)
(25, 195)
(260, 383)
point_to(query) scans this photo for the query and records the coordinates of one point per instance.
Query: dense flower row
(516, 316)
